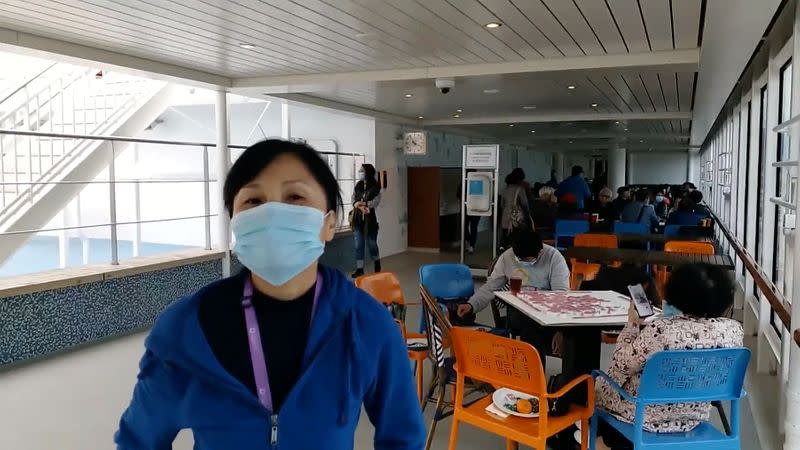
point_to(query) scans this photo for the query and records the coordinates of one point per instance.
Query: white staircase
(40, 175)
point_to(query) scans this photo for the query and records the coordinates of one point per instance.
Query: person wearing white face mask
(538, 266)
(257, 360)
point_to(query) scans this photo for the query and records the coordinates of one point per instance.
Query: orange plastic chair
(385, 287)
(696, 247)
(580, 272)
(515, 365)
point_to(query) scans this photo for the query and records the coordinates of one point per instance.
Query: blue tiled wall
(34, 325)
(42, 323)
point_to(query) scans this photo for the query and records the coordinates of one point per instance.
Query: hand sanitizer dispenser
(479, 194)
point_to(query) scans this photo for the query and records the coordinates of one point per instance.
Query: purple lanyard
(254, 339)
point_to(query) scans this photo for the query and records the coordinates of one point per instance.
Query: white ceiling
(358, 51)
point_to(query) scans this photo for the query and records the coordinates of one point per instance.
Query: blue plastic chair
(682, 376)
(449, 283)
(569, 229)
(632, 228)
(672, 230)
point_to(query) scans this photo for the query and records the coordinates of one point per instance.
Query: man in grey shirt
(640, 210)
(538, 266)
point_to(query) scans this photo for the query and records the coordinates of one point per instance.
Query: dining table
(579, 315)
(641, 256)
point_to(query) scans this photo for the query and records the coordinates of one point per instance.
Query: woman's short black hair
(642, 195)
(526, 242)
(516, 176)
(369, 172)
(260, 155)
(700, 290)
(696, 197)
(577, 170)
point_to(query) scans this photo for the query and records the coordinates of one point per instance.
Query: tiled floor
(405, 267)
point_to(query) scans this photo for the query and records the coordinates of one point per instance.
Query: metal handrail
(776, 300)
(97, 137)
(25, 84)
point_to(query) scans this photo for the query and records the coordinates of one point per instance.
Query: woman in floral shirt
(698, 297)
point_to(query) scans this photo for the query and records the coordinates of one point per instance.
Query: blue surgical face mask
(361, 175)
(526, 264)
(278, 241)
(668, 310)
(659, 198)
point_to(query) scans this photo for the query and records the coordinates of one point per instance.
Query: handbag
(516, 213)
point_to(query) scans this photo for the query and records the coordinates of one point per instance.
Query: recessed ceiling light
(420, 117)
(493, 25)
(247, 46)
(533, 131)
(641, 140)
(570, 142)
(626, 129)
(408, 95)
(491, 91)
(456, 116)
(594, 105)
(529, 107)
(571, 86)
(511, 124)
(617, 122)
(459, 110)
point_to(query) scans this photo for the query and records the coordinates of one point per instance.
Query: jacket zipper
(274, 434)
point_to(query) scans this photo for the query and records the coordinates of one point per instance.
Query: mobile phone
(640, 301)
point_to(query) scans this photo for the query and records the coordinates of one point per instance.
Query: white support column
(63, 241)
(286, 124)
(791, 422)
(558, 165)
(693, 168)
(137, 204)
(222, 167)
(616, 167)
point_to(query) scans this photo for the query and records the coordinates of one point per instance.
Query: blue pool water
(40, 253)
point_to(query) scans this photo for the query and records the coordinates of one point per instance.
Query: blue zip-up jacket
(355, 355)
(576, 186)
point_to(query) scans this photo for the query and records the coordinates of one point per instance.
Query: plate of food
(516, 403)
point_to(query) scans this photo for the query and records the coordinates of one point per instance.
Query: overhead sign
(481, 156)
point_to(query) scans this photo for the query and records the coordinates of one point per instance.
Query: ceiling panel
(653, 86)
(538, 13)
(622, 89)
(508, 13)
(628, 17)
(601, 83)
(669, 85)
(686, 17)
(685, 90)
(636, 85)
(480, 15)
(575, 23)
(602, 22)
(658, 23)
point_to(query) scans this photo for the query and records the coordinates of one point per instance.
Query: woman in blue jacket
(283, 355)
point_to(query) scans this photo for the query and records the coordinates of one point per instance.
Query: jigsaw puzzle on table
(577, 304)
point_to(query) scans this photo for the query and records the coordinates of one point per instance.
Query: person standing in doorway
(366, 197)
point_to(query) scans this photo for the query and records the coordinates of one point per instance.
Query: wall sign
(481, 157)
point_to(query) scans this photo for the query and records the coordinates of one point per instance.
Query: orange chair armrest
(571, 385)
(415, 335)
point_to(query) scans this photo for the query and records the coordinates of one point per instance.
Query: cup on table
(594, 218)
(515, 285)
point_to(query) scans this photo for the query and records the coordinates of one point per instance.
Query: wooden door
(423, 207)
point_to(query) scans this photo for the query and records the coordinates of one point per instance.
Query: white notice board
(481, 156)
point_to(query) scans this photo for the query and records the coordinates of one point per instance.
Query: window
(746, 177)
(762, 146)
(785, 178)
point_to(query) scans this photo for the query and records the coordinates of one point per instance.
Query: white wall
(732, 30)
(657, 168)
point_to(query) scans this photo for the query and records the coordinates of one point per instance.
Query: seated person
(661, 205)
(605, 207)
(685, 214)
(640, 210)
(700, 207)
(699, 297)
(544, 209)
(539, 266)
(623, 198)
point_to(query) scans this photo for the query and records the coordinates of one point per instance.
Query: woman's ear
(329, 227)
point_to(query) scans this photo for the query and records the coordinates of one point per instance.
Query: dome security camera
(445, 84)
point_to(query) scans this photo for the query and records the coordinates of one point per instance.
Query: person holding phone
(698, 297)
(532, 264)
